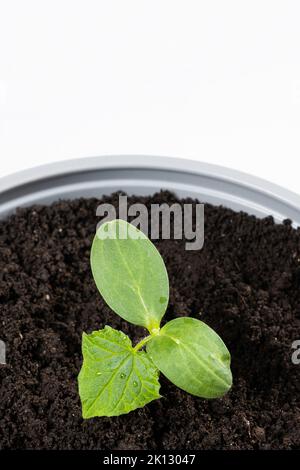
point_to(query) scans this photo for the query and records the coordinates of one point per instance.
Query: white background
(217, 81)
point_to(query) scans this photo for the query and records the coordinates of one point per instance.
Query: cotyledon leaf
(130, 273)
(114, 379)
(192, 356)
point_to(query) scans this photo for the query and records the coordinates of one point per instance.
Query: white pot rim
(270, 199)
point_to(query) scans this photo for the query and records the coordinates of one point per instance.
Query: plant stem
(142, 343)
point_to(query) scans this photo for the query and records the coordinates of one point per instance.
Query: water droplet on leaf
(122, 375)
(135, 384)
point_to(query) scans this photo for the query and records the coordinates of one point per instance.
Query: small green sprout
(117, 377)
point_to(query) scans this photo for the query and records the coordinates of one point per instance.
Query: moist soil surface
(245, 283)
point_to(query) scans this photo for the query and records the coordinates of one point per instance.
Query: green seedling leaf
(115, 378)
(130, 274)
(192, 356)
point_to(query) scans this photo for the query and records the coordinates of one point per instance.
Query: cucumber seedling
(117, 377)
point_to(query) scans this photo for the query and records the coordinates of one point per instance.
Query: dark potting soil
(245, 283)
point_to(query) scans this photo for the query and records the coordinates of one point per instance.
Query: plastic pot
(142, 175)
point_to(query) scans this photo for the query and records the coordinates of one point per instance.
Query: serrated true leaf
(192, 356)
(130, 273)
(114, 378)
